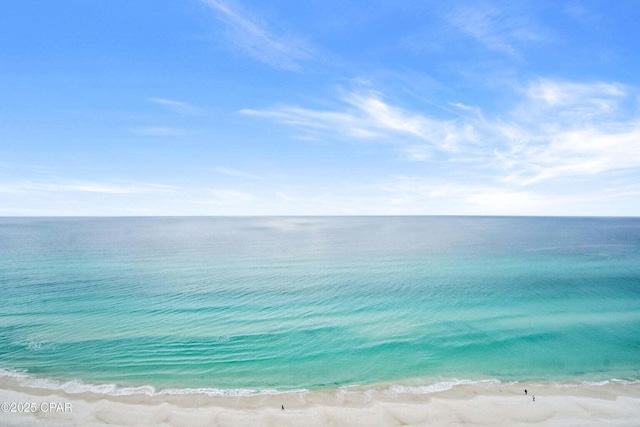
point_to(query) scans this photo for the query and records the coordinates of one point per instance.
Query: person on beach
(283, 407)
(525, 391)
(534, 398)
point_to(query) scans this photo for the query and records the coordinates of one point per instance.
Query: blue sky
(238, 107)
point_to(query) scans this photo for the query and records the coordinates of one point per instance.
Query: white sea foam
(354, 389)
(596, 383)
(394, 390)
(78, 386)
(437, 387)
(74, 386)
(227, 392)
(611, 381)
(601, 383)
(34, 344)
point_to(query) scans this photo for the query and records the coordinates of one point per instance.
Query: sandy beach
(483, 404)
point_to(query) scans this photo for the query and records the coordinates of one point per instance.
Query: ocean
(274, 304)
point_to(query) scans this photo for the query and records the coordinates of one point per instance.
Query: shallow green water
(290, 303)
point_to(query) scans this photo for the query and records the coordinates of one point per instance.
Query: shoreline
(418, 385)
(474, 403)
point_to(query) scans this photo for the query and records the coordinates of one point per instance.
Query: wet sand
(480, 404)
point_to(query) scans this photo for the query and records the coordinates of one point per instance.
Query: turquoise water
(316, 302)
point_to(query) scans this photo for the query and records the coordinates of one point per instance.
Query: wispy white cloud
(420, 195)
(570, 102)
(566, 129)
(461, 106)
(317, 122)
(558, 129)
(85, 187)
(395, 119)
(251, 36)
(416, 195)
(575, 153)
(366, 116)
(496, 30)
(176, 106)
(560, 93)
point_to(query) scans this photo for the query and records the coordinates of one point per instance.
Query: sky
(246, 107)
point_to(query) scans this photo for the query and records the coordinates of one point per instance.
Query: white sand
(478, 405)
